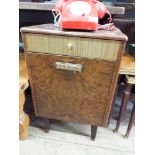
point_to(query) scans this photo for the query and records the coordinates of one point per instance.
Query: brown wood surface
(131, 122)
(113, 84)
(127, 65)
(23, 118)
(71, 96)
(124, 102)
(51, 29)
(114, 97)
(23, 71)
(29, 73)
(23, 74)
(23, 84)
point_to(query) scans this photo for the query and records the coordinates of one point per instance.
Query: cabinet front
(70, 88)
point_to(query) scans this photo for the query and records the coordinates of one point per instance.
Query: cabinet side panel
(29, 72)
(113, 84)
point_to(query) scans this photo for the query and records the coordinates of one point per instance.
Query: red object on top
(80, 14)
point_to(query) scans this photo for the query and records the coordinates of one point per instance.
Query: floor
(72, 138)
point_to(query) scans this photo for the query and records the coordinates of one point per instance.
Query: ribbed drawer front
(73, 46)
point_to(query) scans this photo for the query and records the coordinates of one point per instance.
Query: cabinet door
(64, 94)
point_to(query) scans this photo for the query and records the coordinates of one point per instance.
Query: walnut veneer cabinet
(73, 73)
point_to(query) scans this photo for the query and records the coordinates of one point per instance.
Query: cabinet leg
(123, 105)
(46, 124)
(93, 132)
(132, 119)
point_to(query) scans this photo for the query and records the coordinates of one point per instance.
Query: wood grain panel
(73, 46)
(23, 71)
(113, 84)
(65, 95)
(127, 66)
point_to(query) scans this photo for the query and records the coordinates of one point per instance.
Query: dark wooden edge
(29, 73)
(99, 34)
(113, 84)
(114, 97)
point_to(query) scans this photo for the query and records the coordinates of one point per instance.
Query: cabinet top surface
(51, 29)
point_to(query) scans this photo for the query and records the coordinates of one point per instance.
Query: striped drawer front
(73, 46)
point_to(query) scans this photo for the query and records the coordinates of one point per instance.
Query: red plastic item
(80, 14)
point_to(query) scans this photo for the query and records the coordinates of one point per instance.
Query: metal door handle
(69, 66)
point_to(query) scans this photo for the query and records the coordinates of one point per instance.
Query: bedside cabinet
(73, 73)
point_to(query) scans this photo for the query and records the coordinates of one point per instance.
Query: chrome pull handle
(69, 66)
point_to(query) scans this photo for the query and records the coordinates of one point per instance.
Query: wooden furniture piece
(127, 67)
(23, 84)
(73, 73)
(129, 84)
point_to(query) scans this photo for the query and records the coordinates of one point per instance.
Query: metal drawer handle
(69, 66)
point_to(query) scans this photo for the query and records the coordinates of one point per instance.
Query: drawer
(73, 46)
(68, 95)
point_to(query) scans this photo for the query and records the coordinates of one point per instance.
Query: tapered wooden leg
(123, 104)
(46, 124)
(93, 132)
(114, 97)
(132, 119)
